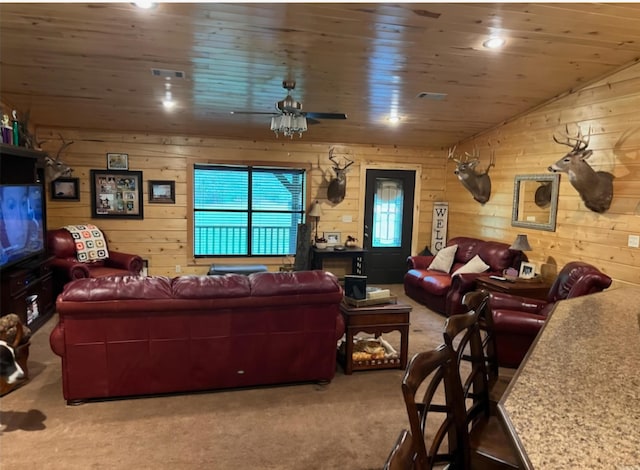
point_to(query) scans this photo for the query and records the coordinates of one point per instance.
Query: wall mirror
(535, 201)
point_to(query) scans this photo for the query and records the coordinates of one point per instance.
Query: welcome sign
(439, 226)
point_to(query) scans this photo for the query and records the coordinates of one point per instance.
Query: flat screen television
(22, 223)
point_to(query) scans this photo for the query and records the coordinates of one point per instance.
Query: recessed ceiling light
(146, 4)
(494, 43)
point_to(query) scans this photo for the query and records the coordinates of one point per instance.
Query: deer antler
(452, 155)
(337, 164)
(581, 142)
(64, 146)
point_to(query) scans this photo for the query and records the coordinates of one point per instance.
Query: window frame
(193, 162)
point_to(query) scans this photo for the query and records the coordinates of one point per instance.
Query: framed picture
(67, 189)
(527, 270)
(333, 238)
(117, 161)
(162, 191)
(116, 194)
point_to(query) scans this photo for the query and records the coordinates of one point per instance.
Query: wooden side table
(536, 288)
(376, 320)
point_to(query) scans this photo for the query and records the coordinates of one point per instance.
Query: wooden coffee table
(536, 288)
(376, 320)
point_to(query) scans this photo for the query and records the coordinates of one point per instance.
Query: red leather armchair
(66, 267)
(517, 320)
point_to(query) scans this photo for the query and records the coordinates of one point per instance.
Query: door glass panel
(388, 202)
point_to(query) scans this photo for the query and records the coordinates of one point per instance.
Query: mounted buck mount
(595, 187)
(478, 184)
(56, 168)
(338, 186)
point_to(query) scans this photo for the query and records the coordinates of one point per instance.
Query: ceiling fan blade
(325, 115)
(254, 112)
(311, 121)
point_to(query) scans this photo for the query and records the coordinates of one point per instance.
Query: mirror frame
(550, 226)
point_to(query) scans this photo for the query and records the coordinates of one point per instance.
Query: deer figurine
(55, 168)
(338, 185)
(595, 187)
(478, 184)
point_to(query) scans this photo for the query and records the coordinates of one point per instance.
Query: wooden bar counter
(574, 403)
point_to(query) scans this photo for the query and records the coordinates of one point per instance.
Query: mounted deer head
(338, 186)
(478, 184)
(55, 168)
(595, 187)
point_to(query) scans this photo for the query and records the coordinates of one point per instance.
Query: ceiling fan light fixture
(289, 124)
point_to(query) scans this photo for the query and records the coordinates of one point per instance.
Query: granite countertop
(575, 402)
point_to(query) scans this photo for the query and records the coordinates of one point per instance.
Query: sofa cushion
(475, 265)
(210, 287)
(444, 259)
(436, 283)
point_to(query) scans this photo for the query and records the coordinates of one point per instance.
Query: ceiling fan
(289, 106)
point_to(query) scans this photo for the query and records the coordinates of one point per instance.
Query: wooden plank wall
(525, 146)
(162, 236)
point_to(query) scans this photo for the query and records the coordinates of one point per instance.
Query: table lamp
(315, 211)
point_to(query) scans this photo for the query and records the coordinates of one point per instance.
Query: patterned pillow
(475, 265)
(444, 259)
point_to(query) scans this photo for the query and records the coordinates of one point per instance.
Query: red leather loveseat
(442, 292)
(123, 336)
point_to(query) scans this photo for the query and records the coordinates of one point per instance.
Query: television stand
(27, 291)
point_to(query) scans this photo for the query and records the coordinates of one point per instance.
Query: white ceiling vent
(166, 73)
(432, 96)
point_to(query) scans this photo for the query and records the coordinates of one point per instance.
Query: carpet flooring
(351, 423)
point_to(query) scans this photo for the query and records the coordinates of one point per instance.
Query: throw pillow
(474, 265)
(444, 259)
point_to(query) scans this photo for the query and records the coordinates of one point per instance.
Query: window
(388, 202)
(246, 210)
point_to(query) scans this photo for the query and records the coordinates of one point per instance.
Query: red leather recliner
(66, 267)
(517, 320)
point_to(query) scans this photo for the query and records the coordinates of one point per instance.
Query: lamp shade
(315, 210)
(521, 243)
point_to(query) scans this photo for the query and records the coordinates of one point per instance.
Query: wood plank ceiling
(89, 65)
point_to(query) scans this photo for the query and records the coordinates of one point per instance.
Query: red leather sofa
(124, 336)
(66, 267)
(517, 320)
(443, 293)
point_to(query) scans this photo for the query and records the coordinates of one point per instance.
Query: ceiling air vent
(432, 96)
(166, 73)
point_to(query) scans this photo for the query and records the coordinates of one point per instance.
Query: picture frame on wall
(65, 189)
(117, 161)
(527, 270)
(116, 194)
(162, 192)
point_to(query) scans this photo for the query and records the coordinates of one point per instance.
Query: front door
(388, 223)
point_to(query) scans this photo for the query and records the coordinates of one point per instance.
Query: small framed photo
(117, 161)
(527, 270)
(67, 189)
(162, 192)
(333, 238)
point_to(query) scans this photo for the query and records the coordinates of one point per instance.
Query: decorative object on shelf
(67, 189)
(15, 125)
(351, 242)
(595, 187)
(535, 201)
(321, 242)
(527, 270)
(315, 211)
(333, 238)
(338, 186)
(478, 184)
(117, 161)
(162, 191)
(116, 194)
(7, 130)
